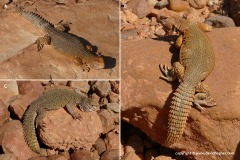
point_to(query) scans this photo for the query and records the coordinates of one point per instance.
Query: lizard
(52, 100)
(196, 62)
(65, 43)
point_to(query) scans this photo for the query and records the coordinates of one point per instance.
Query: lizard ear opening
(89, 47)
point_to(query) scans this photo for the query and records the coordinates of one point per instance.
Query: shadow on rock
(109, 62)
(151, 119)
(237, 152)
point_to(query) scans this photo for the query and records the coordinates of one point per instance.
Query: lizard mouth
(97, 63)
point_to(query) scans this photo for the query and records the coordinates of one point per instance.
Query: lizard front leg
(71, 111)
(46, 40)
(170, 74)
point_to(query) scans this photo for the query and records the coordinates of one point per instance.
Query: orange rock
(178, 5)
(62, 132)
(13, 140)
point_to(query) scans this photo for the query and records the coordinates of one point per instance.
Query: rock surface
(70, 133)
(13, 141)
(146, 107)
(4, 114)
(20, 58)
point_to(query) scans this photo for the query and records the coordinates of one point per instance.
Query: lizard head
(174, 23)
(97, 63)
(87, 104)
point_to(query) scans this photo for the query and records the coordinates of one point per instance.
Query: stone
(163, 13)
(83, 86)
(13, 140)
(61, 131)
(107, 120)
(146, 109)
(112, 140)
(130, 17)
(178, 5)
(198, 4)
(139, 7)
(131, 156)
(39, 158)
(101, 88)
(159, 31)
(115, 86)
(83, 155)
(113, 97)
(112, 154)
(4, 114)
(9, 91)
(196, 15)
(100, 146)
(129, 33)
(112, 107)
(29, 91)
(219, 21)
(162, 4)
(8, 156)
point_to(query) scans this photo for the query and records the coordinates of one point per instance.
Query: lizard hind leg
(41, 41)
(202, 96)
(170, 74)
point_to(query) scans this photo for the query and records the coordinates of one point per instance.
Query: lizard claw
(77, 116)
(166, 72)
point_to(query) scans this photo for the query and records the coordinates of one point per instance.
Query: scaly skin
(52, 100)
(196, 62)
(67, 44)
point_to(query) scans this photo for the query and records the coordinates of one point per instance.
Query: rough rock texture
(12, 140)
(111, 154)
(218, 21)
(8, 156)
(70, 133)
(107, 120)
(20, 59)
(139, 7)
(102, 88)
(4, 114)
(146, 107)
(84, 155)
(178, 5)
(9, 90)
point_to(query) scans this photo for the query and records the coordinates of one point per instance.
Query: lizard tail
(29, 130)
(35, 19)
(179, 111)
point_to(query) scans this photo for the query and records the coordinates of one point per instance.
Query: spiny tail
(180, 109)
(35, 19)
(29, 130)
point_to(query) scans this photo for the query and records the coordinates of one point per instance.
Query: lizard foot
(203, 99)
(85, 67)
(76, 116)
(167, 74)
(87, 108)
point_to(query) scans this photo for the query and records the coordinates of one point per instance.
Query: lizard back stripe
(180, 109)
